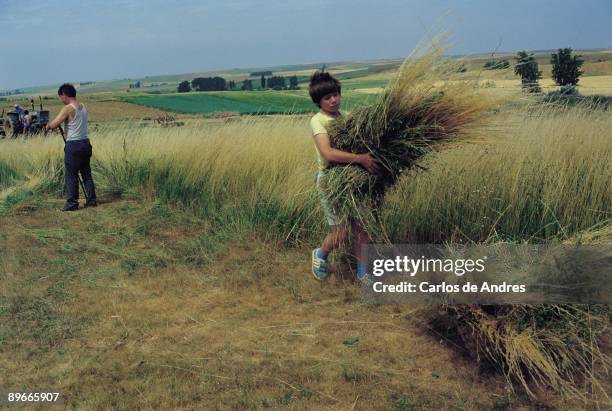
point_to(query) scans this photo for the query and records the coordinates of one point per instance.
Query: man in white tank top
(77, 151)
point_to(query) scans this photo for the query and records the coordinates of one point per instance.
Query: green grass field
(243, 102)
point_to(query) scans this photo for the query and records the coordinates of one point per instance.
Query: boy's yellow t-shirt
(318, 125)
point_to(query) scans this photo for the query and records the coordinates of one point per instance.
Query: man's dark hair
(67, 90)
(321, 84)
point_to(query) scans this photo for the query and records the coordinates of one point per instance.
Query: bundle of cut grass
(539, 347)
(425, 105)
(559, 347)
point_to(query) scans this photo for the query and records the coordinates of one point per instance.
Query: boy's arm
(343, 157)
(61, 117)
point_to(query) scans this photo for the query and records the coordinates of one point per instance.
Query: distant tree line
(208, 84)
(220, 84)
(279, 82)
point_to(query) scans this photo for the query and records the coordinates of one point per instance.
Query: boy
(78, 150)
(325, 93)
(27, 121)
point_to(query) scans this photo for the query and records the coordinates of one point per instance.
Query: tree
(565, 67)
(247, 85)
(208, 84)
(263, 81)
(184, 87)
(276, 82)
(527, 68)
(293, 82)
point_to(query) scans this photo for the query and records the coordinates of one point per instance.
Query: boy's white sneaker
(319, 266)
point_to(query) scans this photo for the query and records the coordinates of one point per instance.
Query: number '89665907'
(32, 396)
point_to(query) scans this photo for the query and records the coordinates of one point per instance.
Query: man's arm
(338, 156)
(57, 121)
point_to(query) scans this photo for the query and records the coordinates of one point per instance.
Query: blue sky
(68, 40)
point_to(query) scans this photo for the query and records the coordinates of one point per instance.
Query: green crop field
(244, 102)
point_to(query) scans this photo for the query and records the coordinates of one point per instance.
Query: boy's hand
(369, 163)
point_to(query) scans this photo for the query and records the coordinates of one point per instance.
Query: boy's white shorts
(332, 217)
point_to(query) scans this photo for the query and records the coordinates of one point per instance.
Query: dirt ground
(137, 304)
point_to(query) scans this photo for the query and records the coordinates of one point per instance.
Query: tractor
(14, 123)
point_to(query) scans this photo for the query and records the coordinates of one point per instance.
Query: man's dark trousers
(77, 155)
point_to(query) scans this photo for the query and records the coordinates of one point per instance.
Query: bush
(184, 87)
(497, 64)
(569, 96)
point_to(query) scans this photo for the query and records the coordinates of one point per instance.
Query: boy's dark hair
(67, 90)
(321, 84)
(26, 112)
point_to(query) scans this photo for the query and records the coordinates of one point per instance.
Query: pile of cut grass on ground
(537, 347)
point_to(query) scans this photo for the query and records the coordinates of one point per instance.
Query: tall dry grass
(247, 173)
(541, 173)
